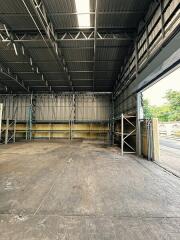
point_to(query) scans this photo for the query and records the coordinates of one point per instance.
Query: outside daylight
(162, 101)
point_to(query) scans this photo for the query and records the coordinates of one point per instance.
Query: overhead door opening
(162, 101)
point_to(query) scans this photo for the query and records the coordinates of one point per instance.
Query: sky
(155, 93)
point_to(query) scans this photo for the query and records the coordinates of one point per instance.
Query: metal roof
(54, 55)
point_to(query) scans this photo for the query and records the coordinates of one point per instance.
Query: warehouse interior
(77, 157)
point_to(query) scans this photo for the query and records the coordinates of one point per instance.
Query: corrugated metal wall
(125, 105)
(53, 108)
(81, 107)
(159, 24)
(14, 105)
(93, 108)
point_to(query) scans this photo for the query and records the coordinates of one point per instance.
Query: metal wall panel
(15, 106)
(93, 108)
(53, 108)
(125, 105)
(82, 107)
(154, 52)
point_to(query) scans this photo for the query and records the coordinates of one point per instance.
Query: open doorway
(162, 101)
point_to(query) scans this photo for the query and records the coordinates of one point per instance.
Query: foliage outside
(167, 112)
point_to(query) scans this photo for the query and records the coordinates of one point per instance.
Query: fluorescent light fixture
(83, 9)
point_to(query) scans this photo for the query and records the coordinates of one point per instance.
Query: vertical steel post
(95, 42)
(7, 131)
(122, 134)
(32, 112)
(112, 123)
(49, 131)
(1, 109)
(30, 122)
(139, 117)
(14, 131)
(27, 130)
(73, 115)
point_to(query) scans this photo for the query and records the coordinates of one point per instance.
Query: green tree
(173, 98)
(167, 112)
(161, 112)
(148, 113)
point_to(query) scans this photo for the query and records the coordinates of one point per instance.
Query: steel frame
(47, 25)
(70, 71)
(112, 122)
(134, 63)
(8, 37)
(139, 117)
(75, 13)
(52, 37)
(8, 73)
(68, 36)
(1, 109)
(124, 135)
(9, 134)
(78, 61)
(66, 93)
(95, 42)
(31, 117)
(32, 107)
(9, 126)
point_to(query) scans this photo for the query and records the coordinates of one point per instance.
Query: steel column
(6, 131)
(95, 41)
(139, 118)
(1, 109)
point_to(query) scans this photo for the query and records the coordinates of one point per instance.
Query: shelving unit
(77, 130)
(69, 116)
(8, 131)
(127, 129)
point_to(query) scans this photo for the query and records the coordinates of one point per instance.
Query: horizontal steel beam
(75, 48)
(42, 21)
(45, 62)
(8, 73)
(105, 71)
(124, 12)
(116, 28)
(61, 94)
(104, 86)
(74, 80)
(19, 49)
(69, 36)
(60, 80)
(99, 13)
(145, 46)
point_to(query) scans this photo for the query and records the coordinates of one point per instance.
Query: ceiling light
(83, 9)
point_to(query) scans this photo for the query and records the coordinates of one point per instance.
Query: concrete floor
(170, 155)
(55, 190)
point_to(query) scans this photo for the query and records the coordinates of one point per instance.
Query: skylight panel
(83, 13)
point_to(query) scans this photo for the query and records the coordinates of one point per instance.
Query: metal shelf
(65, 121)
(124, 135)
